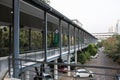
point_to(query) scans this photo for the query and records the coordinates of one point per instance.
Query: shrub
(81, 57)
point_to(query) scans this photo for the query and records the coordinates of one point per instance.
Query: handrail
(4, 75)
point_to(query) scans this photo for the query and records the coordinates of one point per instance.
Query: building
(103, 36)
(111, 29)
(117, 29)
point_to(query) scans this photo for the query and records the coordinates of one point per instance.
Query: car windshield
(48, 76)
(83, 72)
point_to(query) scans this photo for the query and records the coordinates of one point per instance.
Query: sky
(97, 16)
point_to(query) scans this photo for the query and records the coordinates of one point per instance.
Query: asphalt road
(103, 60)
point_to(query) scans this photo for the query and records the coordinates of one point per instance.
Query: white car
(47, 76)
(83, 73)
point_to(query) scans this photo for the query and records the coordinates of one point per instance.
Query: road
(101, 74)
(103, 60)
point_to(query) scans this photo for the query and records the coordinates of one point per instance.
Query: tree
(4, 41)
(92, 49)
(111, 46)
(81, 57)
(87, 54)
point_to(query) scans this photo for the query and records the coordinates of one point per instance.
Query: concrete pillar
(55, 70)
(27, 75)
(69, 63)
(75, 56)
(68, 56)
(46, 68)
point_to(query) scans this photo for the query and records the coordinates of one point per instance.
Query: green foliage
(87, 54)
(81, 57)
(84, 55)
(4, 41)
(100, 44)
(92, 49)
(112, 47)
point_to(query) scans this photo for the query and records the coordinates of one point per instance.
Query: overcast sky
(95, 15)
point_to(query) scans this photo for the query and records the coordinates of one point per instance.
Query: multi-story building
(103, 36)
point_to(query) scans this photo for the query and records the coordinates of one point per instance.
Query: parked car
(63, 69)
(42, 75)
(83, 73)
(117, 77)
(47, 76)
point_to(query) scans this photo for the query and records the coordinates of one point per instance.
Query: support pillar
(27, 75)
(45, 35)
(60, 38)
(16, 23)
(75, 56)
(78, 39)
(29, 38)
(55, 70)
(68, 56)
(75, 45)
(69, 63)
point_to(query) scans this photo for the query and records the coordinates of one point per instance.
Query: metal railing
(45, 70)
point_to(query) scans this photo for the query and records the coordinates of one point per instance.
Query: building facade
(103, 36)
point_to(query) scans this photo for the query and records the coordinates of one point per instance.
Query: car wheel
(77, 76)
(90, 76)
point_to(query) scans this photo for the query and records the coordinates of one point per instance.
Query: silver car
(83, 73)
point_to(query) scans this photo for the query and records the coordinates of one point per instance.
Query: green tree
(111, 46)
(4, 41)
(92, 49)
(87, 54)
(81, 57)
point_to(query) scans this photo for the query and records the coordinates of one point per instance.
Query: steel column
(68, 56)
(74, 40)
(81, 39)
(16, 12)
(60, 38)
(10, 47)
(29, 37)
(75, 52)
(45, 35)
(78, 39)
(68, 39)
